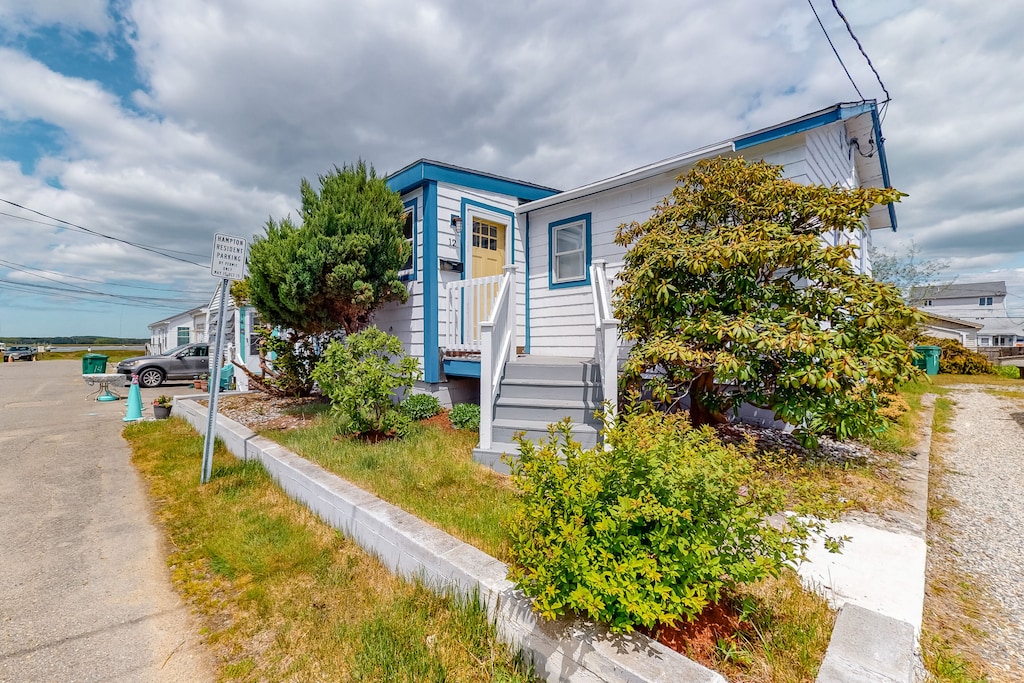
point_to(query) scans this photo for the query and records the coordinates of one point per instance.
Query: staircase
(537, 391)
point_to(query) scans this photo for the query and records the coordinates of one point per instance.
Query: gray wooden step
(545, 410)
(545, 388)
(504, 431)
(492, 457)
(579, 369)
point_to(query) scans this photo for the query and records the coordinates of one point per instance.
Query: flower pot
(201, 384)
(161, 412)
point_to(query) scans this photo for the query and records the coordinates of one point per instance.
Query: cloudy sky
(162, 123)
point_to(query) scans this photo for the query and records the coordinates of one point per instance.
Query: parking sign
(228, 257)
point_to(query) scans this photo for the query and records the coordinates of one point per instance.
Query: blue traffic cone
(134, 401)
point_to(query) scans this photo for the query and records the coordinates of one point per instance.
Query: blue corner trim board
(461, 367)
(585, 217)
(883, 162)
(431, 370)
(424, 171)
(411, 277)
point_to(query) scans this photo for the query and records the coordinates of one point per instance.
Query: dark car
(19, 353)
(181, 362)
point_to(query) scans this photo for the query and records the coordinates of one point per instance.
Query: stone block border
(865, 645)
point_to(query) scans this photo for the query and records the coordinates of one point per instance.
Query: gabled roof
(424, 170)
(872, 166)
(960, 290)
(946, 319)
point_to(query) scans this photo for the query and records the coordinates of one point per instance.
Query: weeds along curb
(560, 650)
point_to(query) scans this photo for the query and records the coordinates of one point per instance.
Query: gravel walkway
(986, 463)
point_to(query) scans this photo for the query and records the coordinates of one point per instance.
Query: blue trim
(425, 171)
(838, 113)
(585, 217)
(411, 277)
(883, 162)
(461, 367)
(431, 371)
(526, 249)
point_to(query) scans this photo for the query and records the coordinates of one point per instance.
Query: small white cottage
(510, 282)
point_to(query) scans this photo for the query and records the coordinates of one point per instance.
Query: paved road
(84, 588)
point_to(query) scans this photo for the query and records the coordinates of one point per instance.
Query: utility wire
(861, 48)
(834, 50)
(32, 271)
(74, 295)
(55, 225)
(82, 291)
(105, 236)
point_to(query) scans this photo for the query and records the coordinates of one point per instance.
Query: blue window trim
(411, 277)
(585, 217)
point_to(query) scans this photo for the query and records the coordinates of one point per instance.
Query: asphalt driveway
(85, 593)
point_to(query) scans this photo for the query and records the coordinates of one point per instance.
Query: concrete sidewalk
(85, 593)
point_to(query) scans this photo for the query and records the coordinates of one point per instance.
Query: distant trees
(324, 278)
(730, 294)
(906, 270)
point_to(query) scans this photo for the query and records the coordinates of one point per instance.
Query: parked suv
(19, 353)
(181, 362)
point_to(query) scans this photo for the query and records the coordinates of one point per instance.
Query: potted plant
(201, 382)
(162, 407)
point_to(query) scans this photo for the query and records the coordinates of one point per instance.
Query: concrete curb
(561, 650)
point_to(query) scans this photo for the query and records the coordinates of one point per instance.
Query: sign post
(228, 264)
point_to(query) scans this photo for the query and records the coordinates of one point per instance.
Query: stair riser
(577, 372)
(590, 393)
(505, 434)
(582, 414)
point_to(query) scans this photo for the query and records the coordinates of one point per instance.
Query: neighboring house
(510, 282)
(183, 328)
(983, 303)
(200, 325)
(944, 327)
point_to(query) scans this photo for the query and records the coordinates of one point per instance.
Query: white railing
(468, 303)
(606, 338)
(497, 347)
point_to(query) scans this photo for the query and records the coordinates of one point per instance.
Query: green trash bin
(928, 358)
(94, 363)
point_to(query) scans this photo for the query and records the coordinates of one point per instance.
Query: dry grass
(954, 604)
(284, 597)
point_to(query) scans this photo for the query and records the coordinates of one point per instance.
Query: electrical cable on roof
(861, 48)
(109, 237)
(835, 51)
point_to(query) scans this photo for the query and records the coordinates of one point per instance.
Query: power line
(861, 48)
(29, 269)
(74, 295)
(834, 50)
(76, 289)
(153, 250)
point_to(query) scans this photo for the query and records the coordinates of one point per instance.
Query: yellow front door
(488, 258)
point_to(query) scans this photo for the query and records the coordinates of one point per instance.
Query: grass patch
(430, 474)
(284, 597)
(953, 605)
(115, 356)
(993, 380)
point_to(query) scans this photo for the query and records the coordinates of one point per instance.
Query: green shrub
(465, 416)
(649, 532)
(420, 406)
(361, 375)
(1008, 371)
(957, 360)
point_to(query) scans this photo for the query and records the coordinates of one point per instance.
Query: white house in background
(182, 328)
(510, 282)
(983, 303)
(200, 325)
(944, 327)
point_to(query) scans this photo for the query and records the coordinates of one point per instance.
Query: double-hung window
(569, 251)
(984, 301)
(408, 269)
